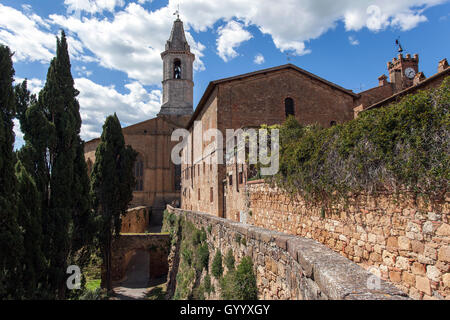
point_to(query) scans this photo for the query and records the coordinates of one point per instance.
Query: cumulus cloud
(292, 23)
(259, 59)
(30, 37)
(23, 34)
(131, 41)
(97, 102)
(231, 36)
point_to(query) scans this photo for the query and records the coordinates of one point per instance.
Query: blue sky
(115, 44)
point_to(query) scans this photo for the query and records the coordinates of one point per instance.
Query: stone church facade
(245, 101)
(158, 179)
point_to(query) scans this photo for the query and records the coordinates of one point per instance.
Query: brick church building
(263, 97)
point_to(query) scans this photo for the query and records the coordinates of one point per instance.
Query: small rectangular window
(199, 194)
(231, 179)
(211, 194)
(241, 178)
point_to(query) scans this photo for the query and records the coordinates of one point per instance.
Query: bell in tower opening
(177, 69)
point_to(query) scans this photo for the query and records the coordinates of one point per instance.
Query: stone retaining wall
(290, 267)
(403, 240)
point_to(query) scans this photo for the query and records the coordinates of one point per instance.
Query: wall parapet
(292, 267)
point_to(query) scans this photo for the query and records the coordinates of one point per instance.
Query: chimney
(382, 81)
(443, 64)
(419, 78)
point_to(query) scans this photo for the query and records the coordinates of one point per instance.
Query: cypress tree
(65, 221)
(33, 262)
(11, 240)
(112, 183)
(53, 155)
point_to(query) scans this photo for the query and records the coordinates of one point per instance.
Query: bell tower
(178, 85)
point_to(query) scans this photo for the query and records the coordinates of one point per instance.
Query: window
(177, 177)
(289, 107)
(198, 194)
(139, 174)
(211, 195)
(231, 179)
(241, 178)
(177, 69)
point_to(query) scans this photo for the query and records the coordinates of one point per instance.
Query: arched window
(139, 174)
(289, 107)
(177, 69)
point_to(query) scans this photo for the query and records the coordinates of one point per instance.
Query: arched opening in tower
(177, 69)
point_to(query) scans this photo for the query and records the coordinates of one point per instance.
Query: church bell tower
(178, 85)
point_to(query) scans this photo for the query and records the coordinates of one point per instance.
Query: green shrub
(197, 238)
(202, 257)
(404, 146)
(207, 285)
(217, 268)
(209, 229)
(203, 235)
(187, 255)
(240, 284)
(237, 238)
(229, 260)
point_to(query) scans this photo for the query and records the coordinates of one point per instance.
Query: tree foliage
(401, 147)
(11, 238)
(52, 160)
(112, 184)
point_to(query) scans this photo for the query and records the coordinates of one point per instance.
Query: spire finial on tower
(397, 42)
(177, 13)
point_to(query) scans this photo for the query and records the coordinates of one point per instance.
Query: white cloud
(92, 6)
(131, 42)
(259, 59)
(292, 23)
(23, 35)
(353, 41)
(97, 102)
(231, 36)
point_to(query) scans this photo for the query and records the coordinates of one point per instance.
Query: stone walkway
(136, 284)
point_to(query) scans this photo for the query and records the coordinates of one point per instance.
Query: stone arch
(125, 247)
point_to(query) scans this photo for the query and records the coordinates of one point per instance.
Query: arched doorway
(137, 269)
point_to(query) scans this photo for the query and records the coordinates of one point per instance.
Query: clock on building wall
(410, 73)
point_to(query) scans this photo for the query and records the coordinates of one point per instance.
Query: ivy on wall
(402, 147)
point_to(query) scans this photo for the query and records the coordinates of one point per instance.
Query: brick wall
(286, 266)
(404, 240)
(250, 102)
